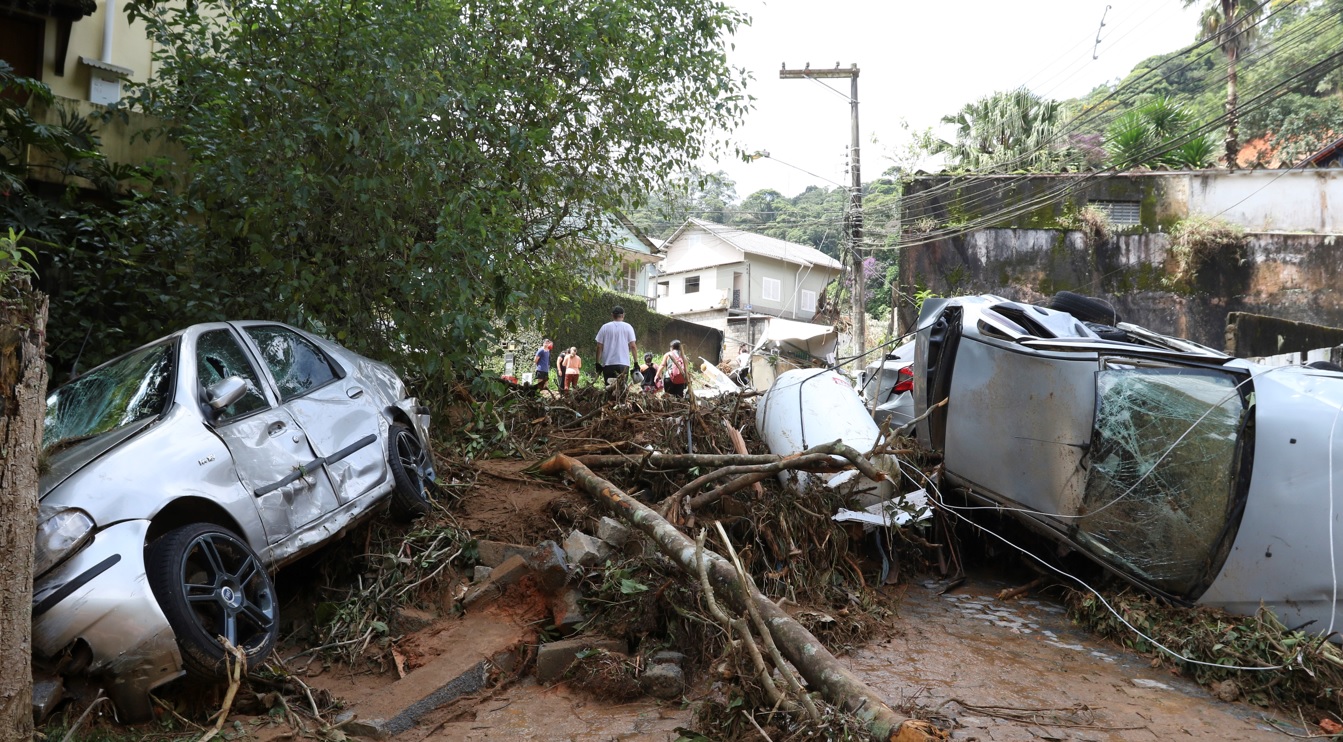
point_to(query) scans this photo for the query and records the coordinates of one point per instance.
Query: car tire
(210, 583)
(1085, 308)
(409, 461)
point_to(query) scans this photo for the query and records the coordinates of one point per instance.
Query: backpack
(677, 373)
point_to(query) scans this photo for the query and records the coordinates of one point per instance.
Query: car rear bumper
(101, 598)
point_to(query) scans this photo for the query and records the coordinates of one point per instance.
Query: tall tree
(1232, 24)
(23, 386)
(411, 178)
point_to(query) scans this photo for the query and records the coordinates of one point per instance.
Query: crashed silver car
(181, 475)
(1198, 476)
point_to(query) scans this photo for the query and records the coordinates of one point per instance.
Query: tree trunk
(1232, 117)
(822, 671)
(23, 386)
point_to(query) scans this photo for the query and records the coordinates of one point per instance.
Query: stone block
(667, 657)
(665, 681)
(612, 531)
(509, 573)
(493, 553)
(567, 612)
(554, 658)
(584, 550)
(480, 573)
(551, 566)
(409, 620)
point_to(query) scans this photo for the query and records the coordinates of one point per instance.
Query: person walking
(675, 378)
(572, 367)
(615, 348)
(561, 362)
(648, 374)
(543, 364)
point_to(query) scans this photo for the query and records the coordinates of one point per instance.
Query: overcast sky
(920, 60)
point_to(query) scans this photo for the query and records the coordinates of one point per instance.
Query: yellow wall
(131, 49)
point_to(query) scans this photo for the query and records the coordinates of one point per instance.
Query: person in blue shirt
(543, 364)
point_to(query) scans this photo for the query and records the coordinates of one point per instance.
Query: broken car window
(134, 388)
(218, 356)
(296, 364)
(1162, 471)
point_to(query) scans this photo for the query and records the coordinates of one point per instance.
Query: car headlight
(60, 533)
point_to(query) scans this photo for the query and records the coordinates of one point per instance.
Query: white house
(735, 280)
(639, 256)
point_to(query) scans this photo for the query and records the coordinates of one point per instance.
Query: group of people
(616, 350)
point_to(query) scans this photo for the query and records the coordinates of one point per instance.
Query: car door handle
(275, 428)
(355, 392)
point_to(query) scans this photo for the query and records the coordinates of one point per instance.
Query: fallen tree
(822, 671)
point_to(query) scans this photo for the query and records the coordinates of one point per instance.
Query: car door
(340, 416)
(270, 451)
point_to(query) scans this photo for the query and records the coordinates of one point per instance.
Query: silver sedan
(182, 474)
(1200, 477)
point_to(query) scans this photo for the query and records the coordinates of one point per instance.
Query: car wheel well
(187, 510)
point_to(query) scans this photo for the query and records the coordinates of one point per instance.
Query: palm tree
(1232, 24)
(1005, 131)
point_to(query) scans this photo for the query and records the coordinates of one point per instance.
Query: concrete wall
(1292, 276)
(1258, 200)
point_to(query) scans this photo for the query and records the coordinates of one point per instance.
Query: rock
(612, 531)
(510, 572)
(667, 657)
(411, 620)
(1226, 690)
(665, 681)
(566, 610)
(551, 566)
(480, 573)
(493, 553)
(584, 550)
(554, 658)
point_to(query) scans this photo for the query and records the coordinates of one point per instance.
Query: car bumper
(100, 597)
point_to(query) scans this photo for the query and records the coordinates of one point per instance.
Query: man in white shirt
(615, 347)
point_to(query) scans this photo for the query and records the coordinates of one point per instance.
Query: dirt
(510, 505)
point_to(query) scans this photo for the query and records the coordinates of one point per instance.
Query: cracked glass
(1161, 484)
(296, 364)
(131, 389)
(218, 356)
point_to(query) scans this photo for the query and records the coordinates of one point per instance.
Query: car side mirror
(224, 393)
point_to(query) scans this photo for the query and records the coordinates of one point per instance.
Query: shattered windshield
(136, 387)
(1162, 475)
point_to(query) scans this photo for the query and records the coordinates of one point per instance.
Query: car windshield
(1162, 479)
(125, 391)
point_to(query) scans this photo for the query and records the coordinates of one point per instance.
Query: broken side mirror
(224, 393)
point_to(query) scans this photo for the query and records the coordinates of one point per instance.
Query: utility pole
(854, 218)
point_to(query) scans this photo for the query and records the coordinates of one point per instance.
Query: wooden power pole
(854, 219)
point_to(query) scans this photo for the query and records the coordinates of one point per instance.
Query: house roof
(759, 244)
(1331, 151)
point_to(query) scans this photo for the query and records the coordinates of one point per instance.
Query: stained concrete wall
(1292, 276)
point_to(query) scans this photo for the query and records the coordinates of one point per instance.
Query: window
(664, 288)
(132, 389)
(218, 356)
(771, 289)
(692, 285)
(1120, 213)
(1163, 471)
(294, 361)
(808, 301)
(629, 281)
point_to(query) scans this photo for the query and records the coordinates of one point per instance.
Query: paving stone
(480, 573)
(584, 550)
(410, 620)
(493, 553)
(612, 531)
(550, 564)
(567, 611)
(663, 681)
(668, 657)
(554, 658)
(510, 572)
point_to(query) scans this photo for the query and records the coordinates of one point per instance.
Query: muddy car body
(1200, 477)
(181, 474)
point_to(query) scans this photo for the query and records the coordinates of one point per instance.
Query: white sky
(919, 60)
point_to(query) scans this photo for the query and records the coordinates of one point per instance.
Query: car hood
(70, 459)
